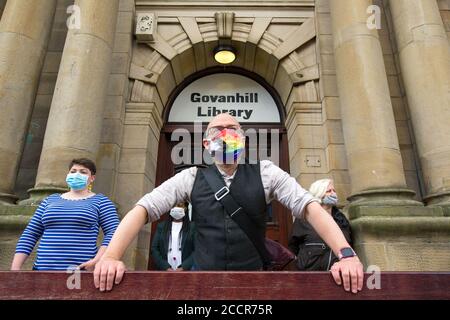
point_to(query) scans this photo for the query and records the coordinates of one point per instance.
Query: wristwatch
(346, 253)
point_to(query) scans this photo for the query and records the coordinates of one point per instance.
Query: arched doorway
(279, 46)
(255, 104)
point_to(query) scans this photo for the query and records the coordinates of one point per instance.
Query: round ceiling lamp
(224, 54)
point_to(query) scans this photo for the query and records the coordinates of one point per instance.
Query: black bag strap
(235, 211)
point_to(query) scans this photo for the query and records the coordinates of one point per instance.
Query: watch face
(347, 252)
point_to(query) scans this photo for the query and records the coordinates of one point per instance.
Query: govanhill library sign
(240, 96)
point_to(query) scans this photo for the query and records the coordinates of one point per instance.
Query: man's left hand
(352, 273)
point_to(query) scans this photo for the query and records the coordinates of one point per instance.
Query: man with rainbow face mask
(225, 145)
(220, 243)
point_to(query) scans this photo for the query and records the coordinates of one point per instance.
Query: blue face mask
(77, 181)
(330, 200)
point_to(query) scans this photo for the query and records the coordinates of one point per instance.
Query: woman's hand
(88, 265)
(18, 261)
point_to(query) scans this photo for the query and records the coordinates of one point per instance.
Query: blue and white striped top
(68, 230)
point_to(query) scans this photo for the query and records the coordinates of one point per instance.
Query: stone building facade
(363, 88)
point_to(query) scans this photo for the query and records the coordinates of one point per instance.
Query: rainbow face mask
(227, 145)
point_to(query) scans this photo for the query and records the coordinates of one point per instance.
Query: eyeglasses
(214, 131)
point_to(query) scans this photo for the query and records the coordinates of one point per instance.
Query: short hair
(88, 163)
(319, 188)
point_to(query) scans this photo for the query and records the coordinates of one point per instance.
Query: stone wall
(13, 221)
(33, 143)
(118, 94)
(399, 103)
(334, 160)
(330, 135)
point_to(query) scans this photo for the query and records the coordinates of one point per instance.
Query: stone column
(76, 113)
(373, 152)
(24, 33)
(424, 56)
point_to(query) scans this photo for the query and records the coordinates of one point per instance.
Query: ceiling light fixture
(224, 54)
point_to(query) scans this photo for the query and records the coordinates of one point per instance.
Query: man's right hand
(108, 271)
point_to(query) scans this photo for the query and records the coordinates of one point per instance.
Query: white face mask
(177, 213)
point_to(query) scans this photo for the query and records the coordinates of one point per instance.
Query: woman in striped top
(68, 225)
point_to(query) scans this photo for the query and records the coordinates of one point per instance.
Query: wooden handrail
(221, 286)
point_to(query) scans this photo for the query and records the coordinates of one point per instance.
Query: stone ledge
(394, 243)
(399, 226)
(356, 212)
(14, 222)
(445, 209)
(17, 210)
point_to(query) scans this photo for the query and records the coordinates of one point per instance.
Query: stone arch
(284, 63)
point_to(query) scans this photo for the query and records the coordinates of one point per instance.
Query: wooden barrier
(221, 286)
